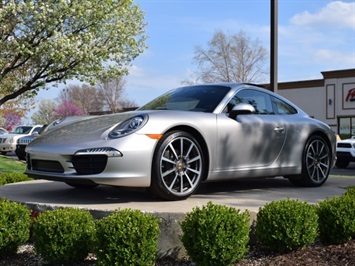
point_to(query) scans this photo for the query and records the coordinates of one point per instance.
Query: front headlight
(129, 126)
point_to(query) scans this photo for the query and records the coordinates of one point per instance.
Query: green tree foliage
(46, 42)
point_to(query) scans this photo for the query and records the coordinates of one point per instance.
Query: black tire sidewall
(306, 178)
(157, 186)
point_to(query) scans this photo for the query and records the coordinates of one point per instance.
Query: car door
(250, 140)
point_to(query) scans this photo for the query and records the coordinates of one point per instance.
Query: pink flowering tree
(11, 120)
(67, 108)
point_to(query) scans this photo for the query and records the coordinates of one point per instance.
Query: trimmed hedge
(64, 235)
(286, 225)
(127, 237)
(337, 219)
(15, 225)
(216, 234)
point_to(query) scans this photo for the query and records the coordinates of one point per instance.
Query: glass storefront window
(346, 127)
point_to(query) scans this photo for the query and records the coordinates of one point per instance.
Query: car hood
(9, 135)
(83, 130)
(351, 140)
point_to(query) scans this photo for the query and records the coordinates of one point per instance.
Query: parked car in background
(3, 131)
(8, 141)
(189, 135)
(24, 141)
(345, 152)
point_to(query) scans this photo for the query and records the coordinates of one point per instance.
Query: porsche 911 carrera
(189, 135)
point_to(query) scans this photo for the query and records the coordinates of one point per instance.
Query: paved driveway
(242, 194)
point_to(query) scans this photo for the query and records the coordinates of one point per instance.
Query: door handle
(279, 130)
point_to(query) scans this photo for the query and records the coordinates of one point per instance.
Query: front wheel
(178, 166)
(316, 163)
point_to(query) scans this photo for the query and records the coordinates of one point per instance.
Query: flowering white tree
(46, 42)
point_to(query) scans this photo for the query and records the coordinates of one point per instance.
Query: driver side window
(259, 100)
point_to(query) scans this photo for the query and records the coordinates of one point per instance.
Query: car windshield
(22, 130)
(193, 98)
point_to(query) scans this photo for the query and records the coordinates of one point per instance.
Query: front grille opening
(89, 164)
(344, 145)
(46, 166)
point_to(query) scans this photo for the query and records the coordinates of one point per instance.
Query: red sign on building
(350, 97)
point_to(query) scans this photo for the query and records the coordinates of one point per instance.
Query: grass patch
(12, 171)
(9, 165)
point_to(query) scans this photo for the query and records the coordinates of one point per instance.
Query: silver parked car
(187, 136)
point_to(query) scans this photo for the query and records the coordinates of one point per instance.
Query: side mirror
(241, 109)
(36, 134)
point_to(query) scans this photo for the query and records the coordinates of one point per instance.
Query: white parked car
(345, 152)
(3, 131)
(24, 141)
(8, 141)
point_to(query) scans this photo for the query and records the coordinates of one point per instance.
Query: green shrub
(15, 223)
(286, 225)
(64, 235)
(216, 234)
(127, 237)
(350, 191)
(9, 178)
(337, 219)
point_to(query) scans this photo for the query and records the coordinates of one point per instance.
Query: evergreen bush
(15, 223)
(216, 234)
(337, 219)
(127, 237)
(286, 225)
(64, 235)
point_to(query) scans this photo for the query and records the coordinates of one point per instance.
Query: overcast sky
(313, 36)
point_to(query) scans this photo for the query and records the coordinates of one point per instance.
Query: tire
(21, 155)
(81, 186)
(316, 163)
(342, 164)
(3, 153)
(178, 166)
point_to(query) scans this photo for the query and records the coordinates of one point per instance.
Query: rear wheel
(178, 166)
(316, 163)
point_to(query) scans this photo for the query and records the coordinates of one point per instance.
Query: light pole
(273, 44)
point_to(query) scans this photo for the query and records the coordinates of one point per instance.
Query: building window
(346, 127)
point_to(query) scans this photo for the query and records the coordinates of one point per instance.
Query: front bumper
(129, 165)
(7, 147)
(346, 155)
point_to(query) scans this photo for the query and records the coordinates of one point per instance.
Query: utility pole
(273, 44)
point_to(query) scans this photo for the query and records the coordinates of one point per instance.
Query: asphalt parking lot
(243, 194)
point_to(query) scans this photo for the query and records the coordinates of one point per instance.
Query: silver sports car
(187, 136)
